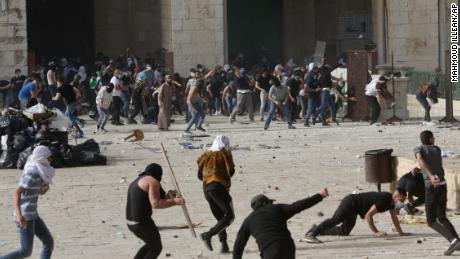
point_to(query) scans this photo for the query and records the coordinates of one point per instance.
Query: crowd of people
(128, 88)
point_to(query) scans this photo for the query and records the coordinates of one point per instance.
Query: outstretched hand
(324, 192)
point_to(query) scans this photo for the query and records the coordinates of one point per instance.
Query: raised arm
(298, 206)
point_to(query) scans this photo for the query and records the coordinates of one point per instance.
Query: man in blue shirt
(29, 91)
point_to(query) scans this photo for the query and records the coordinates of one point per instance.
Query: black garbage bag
(92, 158)
(57, 161)
(22, 159)
(19, 143)
(69, 156)
(89, 145)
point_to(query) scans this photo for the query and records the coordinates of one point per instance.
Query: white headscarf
(82, 73)
(38, 162)
(311, 66)
(219, 143)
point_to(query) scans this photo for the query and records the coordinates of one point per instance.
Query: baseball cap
(259, 201)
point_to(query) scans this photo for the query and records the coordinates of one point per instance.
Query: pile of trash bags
(21, 132)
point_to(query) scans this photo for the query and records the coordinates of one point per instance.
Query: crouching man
(366, 205)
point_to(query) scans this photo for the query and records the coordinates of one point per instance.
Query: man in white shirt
(117, 101)
(372, 90)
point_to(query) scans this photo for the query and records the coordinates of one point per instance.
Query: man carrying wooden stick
(215, 169)
(146, 193)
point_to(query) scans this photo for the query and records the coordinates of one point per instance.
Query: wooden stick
(176, 185)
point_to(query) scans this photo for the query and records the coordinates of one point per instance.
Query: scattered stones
(103, 222)
(168, 254)
(123, 180)
(274, 157)
(175, 236)
(134, 164)
(419, 241)
(320, 214)
(359, 156)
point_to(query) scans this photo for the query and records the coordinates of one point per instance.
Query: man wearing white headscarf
(215, 169)
(34, 181)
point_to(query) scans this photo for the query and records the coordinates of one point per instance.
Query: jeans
(24, 103)
(264, 101)
(421, 98)
(313, 102)
(243, 100)
(103, 117)
(303, 100)
(217, 103)
(327, 101)
(220, 202)
(34, 228)
(147, 232)
(374, 107)
(125, 100)
(344, 214)
(284, 109)
(197, 116)
(435, 207)
(231, 103)
(71, 113)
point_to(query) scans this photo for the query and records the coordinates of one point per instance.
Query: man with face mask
(243, 94)
(144, 194)
(268, 225)
(103, 101)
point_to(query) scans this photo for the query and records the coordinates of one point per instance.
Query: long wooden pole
(176, 186)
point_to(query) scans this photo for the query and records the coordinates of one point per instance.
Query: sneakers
(266, 126)
(103, 130)
(224, 249)
(428, 123)
(325, 124)
(310, 238)
(291, 127)
(201, 129)
(336, 122)
(454, 245)
(206, 238)
(261, 118)
(306, 124)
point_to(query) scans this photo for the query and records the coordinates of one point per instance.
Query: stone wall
(121, 24)
(413, 33)
(197, 33)
(13, 37)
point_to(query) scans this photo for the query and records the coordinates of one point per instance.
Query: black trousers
(279, 250)
(220, 202)
(435, 207)
(147, 232)
(116, 108)
(344, 214)
(421, 98)
(374, 108)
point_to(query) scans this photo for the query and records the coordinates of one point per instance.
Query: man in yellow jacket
(215, 169)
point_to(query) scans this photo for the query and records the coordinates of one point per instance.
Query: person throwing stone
(146, 193)
(267, 224)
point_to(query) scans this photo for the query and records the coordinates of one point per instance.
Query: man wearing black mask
(146, 193)
(243, 94)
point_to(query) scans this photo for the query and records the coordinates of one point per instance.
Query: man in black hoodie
(146, 193)
(267, 224)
